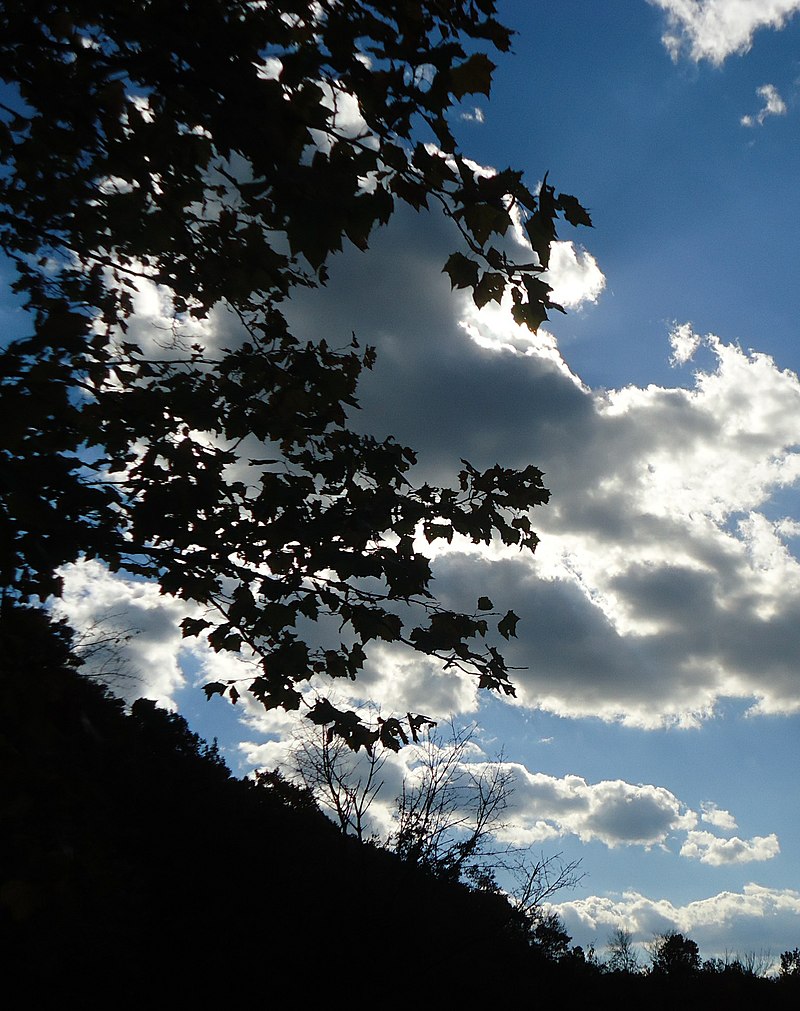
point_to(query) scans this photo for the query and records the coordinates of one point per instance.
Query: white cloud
(724, 922)
(473, 115)
(713, 815)
(541, 807)
(658, 586)
(714, 29)
(96, 600)
(661, 584)
(612, 811)
(146, 642)
(774, 105)
(685, 343)
(573, 275)
(710, 849)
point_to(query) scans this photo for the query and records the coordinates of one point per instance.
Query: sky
(655, 731)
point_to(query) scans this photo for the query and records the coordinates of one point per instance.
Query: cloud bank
(662, 583)
(720, 923)
(665, 579)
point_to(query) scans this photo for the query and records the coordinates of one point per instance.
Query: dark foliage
(201, 146)
(675, 956)
(790, 966)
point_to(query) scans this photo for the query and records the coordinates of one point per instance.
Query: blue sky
(656, 732)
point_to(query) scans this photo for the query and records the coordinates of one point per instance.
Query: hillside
(135, 867)
(132, 858)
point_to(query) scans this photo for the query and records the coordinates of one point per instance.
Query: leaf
(214, 688)
(416, 723)
(474, 76)
(462, 271)
(490, 288)
(193, 626)
(541, 234)
(484, 220)
(221, 639)
(507, 626)
(574, 212)
(484, 604)
(529, 314)
(392, 735)
(538, 290)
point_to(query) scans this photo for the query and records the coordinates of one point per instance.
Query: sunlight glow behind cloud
(661, 585)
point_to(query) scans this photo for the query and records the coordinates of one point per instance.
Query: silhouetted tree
(291, 795)
(538, 879)
(674, 955)
(218, 154)
(790, 965)
(549, 936)
(343, 783)
(101, 647)
(449, 809)
(623, 956)
(447, 816)
(133, 866)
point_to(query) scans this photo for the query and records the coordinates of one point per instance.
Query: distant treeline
(134, 867)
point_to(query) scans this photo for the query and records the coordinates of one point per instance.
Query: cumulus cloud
(541, 807)
(714, 29)
(612, 811)
(663, 582)
(684, 342)
(723, 922)
(139, 625)
(660, 584)
(574, 275)
(774, 105)
(713, 815)
(710, 849)
(131, 636)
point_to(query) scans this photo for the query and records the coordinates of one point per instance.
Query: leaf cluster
(220, 153)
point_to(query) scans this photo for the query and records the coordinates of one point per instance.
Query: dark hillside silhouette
(135, 867)
(132, 860)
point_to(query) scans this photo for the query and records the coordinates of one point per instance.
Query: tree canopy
(222, 151)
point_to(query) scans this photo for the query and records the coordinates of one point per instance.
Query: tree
(538, 879)
(100, 646)
(447, 813)
(755, 965)
(218, 152)
(623, 956)
(446, 818)
(344, 784)
(790, 965)
(549, 936)
(674, 955)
